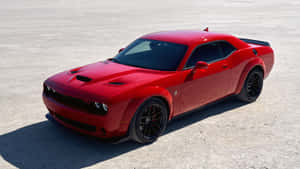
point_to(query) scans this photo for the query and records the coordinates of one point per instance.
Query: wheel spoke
(145, 131)
(156, 125)
(253, 86)
(155, 118)
(150, 121)
(149, 131)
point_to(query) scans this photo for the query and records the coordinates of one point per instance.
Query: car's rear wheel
(149, 122)
(252, 86)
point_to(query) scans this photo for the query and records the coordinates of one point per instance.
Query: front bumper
(83, 122)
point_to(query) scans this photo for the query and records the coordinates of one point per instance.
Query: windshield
(152, 54)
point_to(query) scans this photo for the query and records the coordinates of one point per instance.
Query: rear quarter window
(226, 48)
(207, 53)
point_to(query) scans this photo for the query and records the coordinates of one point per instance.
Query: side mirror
(121, 50)
(201, 65)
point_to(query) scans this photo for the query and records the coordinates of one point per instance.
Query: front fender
(257, 61)
(141, 95)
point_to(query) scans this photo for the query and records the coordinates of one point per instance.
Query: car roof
(187, 37)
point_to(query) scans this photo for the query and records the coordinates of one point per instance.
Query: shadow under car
(47, 145)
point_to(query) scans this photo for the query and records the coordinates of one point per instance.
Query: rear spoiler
(257, 42)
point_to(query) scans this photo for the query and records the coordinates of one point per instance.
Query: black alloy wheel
(150, 121)
(252, 87)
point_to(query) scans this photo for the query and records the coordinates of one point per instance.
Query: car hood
(104, 79)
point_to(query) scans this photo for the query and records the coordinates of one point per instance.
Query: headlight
(47, 90)
(100, 107)
(105, 107)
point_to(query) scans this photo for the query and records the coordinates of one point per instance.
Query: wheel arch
(143, 95)
(257, 63)
(164, 100)
(259, 67)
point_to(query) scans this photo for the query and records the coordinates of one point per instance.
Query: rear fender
(257, 61)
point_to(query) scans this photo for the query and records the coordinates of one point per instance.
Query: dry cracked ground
(40, 38)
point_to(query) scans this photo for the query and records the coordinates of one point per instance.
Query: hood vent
(83, 78)
(74, 71)
(116, 83)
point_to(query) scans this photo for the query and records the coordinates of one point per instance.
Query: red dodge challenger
(157, 77)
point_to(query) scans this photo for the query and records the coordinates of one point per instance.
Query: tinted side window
(227, 48)
(206, 53)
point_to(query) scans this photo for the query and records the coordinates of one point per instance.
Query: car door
(203, 86)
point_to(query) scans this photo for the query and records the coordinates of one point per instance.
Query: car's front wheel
(252, 86)
(149, 122)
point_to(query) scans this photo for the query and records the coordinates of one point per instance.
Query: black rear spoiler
(255, 42)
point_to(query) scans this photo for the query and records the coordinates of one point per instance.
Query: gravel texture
(40, 38)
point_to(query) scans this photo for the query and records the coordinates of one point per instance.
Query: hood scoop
(83, 78)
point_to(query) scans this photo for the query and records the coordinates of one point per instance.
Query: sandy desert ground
(40, 38)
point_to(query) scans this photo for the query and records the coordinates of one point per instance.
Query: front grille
(66, 100)
(73, 102)
(77, 124)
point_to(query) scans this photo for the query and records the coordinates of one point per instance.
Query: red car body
(124, 88)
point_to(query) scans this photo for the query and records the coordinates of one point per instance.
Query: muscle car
(154, 79)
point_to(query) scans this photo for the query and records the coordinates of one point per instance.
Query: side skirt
(232, 96)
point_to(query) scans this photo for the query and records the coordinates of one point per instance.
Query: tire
(252, 86)
(149, 122)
